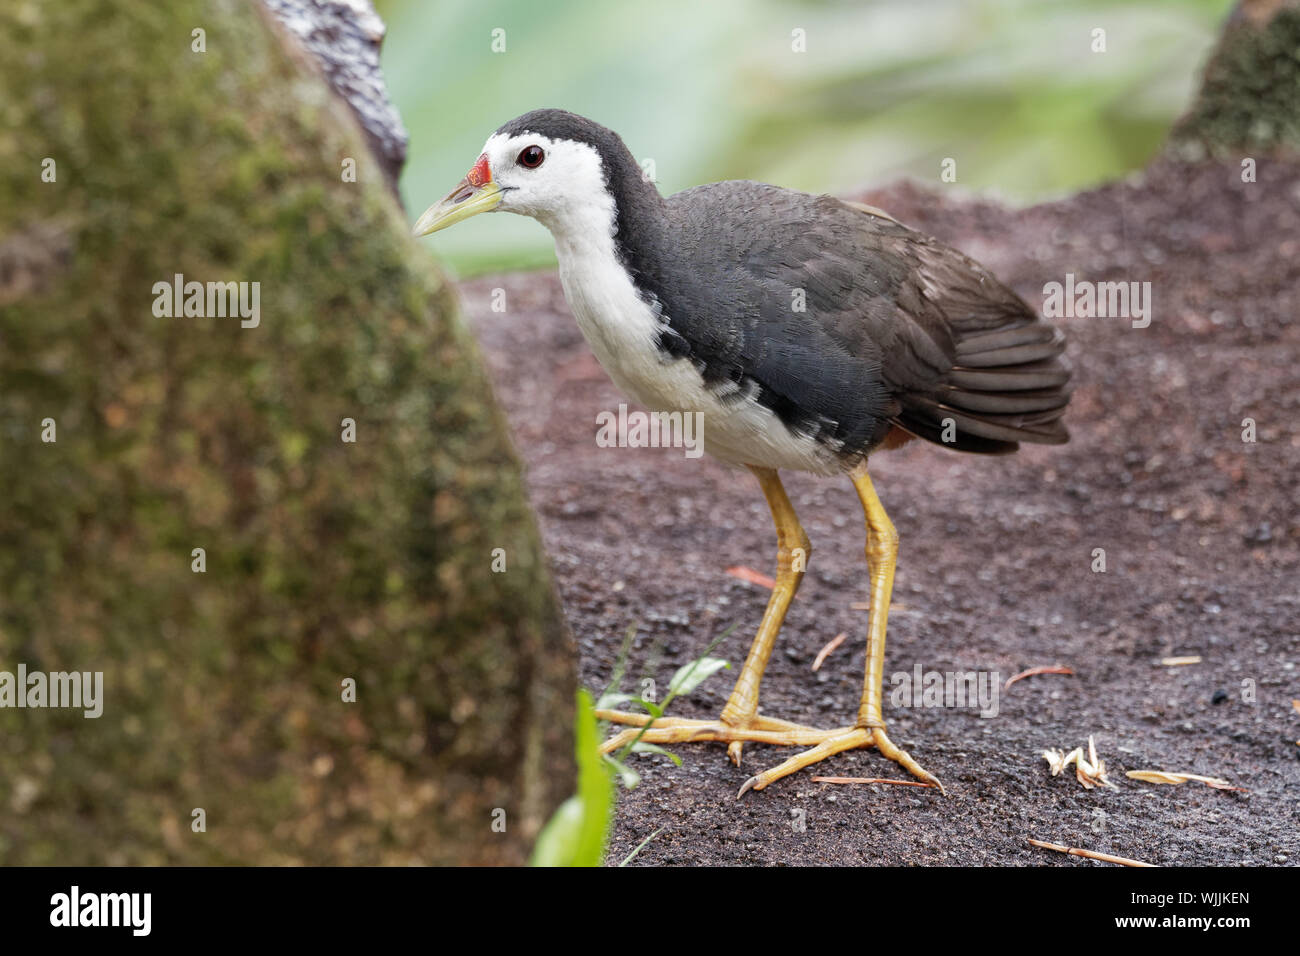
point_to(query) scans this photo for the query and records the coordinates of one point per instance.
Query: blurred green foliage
(1010, 89)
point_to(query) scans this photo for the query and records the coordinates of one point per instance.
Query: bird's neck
(604, 248)
(625, 223)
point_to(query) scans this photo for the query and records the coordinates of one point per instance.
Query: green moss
(325, 560)
(1250, 95)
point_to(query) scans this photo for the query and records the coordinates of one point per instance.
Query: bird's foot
(762, 730)
(845, 739)
(677, 730)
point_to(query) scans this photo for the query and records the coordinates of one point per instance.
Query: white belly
(623, 332)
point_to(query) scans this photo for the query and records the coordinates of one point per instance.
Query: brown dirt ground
(1201, 533)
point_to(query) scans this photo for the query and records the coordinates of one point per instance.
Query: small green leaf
(641, 747)
(653, 709)
(559, 838)
(692, 675)
(594, 786)
(627, 776)
(576, 833)
(639, 847)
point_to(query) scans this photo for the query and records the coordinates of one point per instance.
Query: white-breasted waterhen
(692, 304)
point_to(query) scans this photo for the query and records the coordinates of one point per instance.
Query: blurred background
(714, 90)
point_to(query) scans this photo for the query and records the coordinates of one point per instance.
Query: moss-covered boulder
(134, 149)
(1249, 99)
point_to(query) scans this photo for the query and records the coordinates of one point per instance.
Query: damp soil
(998, 567)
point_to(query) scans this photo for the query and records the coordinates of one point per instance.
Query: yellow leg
(792, 550)
(740, 715)
(740, 721)
(882, 554)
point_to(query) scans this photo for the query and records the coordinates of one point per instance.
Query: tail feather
(1010, 378)
(1006, 386)
(1004, 403)
(1028, 343)
(969, 364)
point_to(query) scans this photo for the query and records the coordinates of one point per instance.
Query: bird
(808, 333)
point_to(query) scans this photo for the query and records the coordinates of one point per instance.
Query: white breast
(623, 331)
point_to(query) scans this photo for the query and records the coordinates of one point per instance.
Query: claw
(746, 787)
(733, 751)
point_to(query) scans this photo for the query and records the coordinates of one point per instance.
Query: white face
(564, 191)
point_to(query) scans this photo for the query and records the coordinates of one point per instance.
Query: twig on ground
(826, 651)
(1177, 779)
(1034, 671)
(752, 576)
(1090, 854)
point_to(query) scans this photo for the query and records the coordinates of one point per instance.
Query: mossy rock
(1249, 101)
(326, 560)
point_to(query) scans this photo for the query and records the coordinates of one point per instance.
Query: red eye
(531, 157)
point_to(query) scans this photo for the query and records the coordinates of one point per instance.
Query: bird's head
(557, 167)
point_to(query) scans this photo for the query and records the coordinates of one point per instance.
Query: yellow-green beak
(474, 194)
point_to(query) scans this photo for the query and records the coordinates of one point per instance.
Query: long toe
(888, 749)
(838, 742)
(845, 739)
(677, 730)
